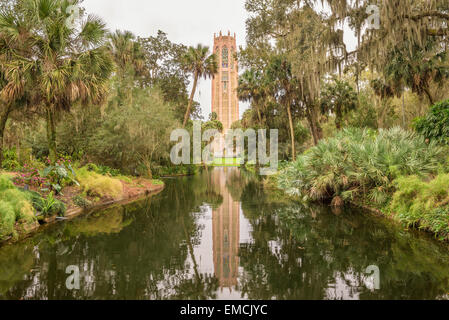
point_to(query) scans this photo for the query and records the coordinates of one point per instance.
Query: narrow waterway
(219, 235)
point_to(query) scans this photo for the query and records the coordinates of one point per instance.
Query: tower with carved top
(225, 102)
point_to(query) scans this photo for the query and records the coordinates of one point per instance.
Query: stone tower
(225, 102)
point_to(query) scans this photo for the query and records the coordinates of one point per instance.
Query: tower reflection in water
(226, 232)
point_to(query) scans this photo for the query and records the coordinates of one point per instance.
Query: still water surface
(219, 235)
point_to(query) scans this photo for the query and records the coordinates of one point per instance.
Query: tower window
(225, 80)
(225, 57)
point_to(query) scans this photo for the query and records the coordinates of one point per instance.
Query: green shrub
(157, 182)
(7, 219)
(15, 206)
(60, 175)
(107, 171)
(10, 160)
(34, 198)
(5, 183)
(92, 167)
(104, 170)
(97, 185)
(81, 202)
(435, 125)
(49, 206)
(424, 204)
(360, 163)
(59, 209)
(20, 204)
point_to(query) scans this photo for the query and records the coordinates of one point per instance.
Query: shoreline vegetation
(396, 173)
(85, 110)
(25, 208)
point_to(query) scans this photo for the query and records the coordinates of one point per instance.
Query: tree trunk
(403, 109)
(379, 112)
(192, 95)
(314, 126)
(259, 115)
(147, 164)
(51, 134)
(292, 131)
(3, 119)
(359, 33)
(429, 95)
(338, 118)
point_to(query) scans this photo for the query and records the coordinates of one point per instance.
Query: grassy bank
(395, 171)
(31, 196)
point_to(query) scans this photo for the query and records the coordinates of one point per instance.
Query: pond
(220, 235)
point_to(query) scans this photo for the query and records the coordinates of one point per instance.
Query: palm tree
(251, 89)
(416, 67)
(339, 98)
(198, 62)
(69, 65)
(14, 71)
(127, 52)
(129, 58)
(286, 85)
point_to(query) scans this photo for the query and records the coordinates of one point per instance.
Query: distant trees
(435, 125)
(253, 88)
(134, 136)
(65, 65)
(416, 67)
(110, 98)
(339, 98)
(15, 70)
(165, 69)
(128, 54)
(201, 64)
(408, 52)
(280, 76)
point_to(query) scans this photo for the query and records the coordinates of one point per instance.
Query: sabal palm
(282, 81)
(416, 67)
(15, 72)
(201, 64)
(68, 65)
(252, 89)
(339, 98)
(127, 52)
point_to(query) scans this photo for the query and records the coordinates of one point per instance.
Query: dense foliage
(394, 170)
(435, 125)
(422, 203)
(389, 79)
(118, 119)
(360, 163)
(14, 207)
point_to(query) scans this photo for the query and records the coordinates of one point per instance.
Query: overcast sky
(186, 22)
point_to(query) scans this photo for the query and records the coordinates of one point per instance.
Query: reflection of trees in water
(301, 253)
(152, 251)
(145, 251)
(15, 263)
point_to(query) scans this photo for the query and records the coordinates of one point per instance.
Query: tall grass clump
(97, 185)
(423, 204)
(360, 164)
(14, 207)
